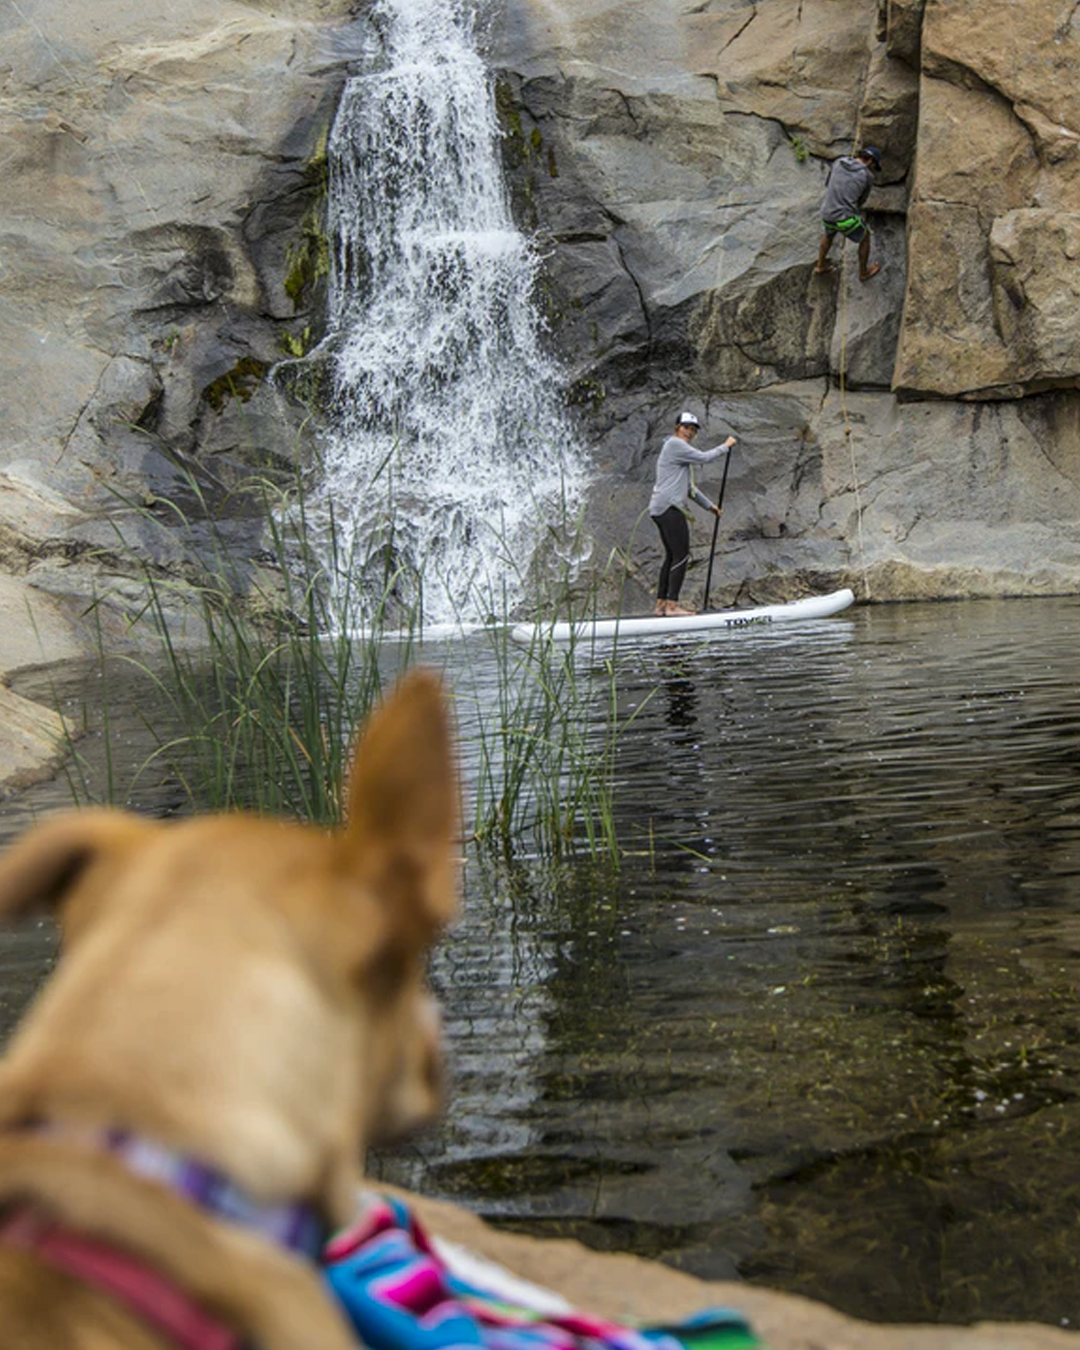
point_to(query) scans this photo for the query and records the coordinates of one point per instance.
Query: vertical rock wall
(159, 250)
(991, 303)
(162, 246)
(915, 435)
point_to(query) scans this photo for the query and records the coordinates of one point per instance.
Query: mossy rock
(309, 260)
(240, 382)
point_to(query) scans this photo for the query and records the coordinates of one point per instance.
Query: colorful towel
(400, 1295)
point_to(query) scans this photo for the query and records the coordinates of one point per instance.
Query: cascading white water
(450, 452)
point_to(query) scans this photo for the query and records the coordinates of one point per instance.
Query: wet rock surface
(160, 229)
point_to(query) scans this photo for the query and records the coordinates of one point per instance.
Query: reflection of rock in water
(681, 702)
(492, 977)
(804, 1033)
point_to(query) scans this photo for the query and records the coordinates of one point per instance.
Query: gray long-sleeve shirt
(673, 485)
(850, 181)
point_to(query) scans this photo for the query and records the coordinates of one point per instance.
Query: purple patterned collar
(296, 1227)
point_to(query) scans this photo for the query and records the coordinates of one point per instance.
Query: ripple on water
(821, 1029)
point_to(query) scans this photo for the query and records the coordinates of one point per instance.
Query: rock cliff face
(918, 435)
(159, 235)
(993, 266)
(915, 435)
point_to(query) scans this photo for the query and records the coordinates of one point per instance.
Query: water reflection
(818, 1028)
(821, 1028)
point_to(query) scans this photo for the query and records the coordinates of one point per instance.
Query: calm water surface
(822, 1029)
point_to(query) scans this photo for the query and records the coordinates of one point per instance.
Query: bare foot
(820, 271)
(661, 608)
(871, 271)
(675, 611)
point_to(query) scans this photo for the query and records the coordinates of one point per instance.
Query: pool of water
(821, 1028)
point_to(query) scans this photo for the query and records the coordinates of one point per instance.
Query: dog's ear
(403, 809)
(40, 867)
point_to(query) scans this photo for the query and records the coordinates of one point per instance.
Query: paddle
(715, 530)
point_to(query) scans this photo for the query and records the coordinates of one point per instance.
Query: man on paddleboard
(667, 506)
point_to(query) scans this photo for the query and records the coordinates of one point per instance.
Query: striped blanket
(401, 1294)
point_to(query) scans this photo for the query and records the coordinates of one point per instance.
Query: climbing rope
(849, 439)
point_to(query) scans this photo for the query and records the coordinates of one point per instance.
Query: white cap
(687, 419)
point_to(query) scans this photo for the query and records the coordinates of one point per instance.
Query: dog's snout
(414, 1094)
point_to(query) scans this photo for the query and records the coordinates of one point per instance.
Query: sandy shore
(629, 1288)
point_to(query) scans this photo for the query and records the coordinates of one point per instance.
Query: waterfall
(450, 451)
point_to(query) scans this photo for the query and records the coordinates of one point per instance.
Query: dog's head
(252, 990)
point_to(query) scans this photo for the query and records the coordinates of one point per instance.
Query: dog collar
(297, 1227)
(154, 1299)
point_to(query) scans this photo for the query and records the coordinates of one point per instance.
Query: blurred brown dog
(239, 1010)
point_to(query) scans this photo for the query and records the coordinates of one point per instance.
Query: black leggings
(675, 533)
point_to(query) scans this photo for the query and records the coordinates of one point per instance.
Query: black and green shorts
(853, 228)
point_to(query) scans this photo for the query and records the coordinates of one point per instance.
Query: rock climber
(667, 506)
(847, 188)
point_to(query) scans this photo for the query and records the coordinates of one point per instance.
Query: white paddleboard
(718, 621)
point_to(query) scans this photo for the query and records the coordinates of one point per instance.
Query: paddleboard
(715, 622)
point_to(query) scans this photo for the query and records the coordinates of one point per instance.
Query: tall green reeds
(545, 739)
(549, 727)
(260, 713)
